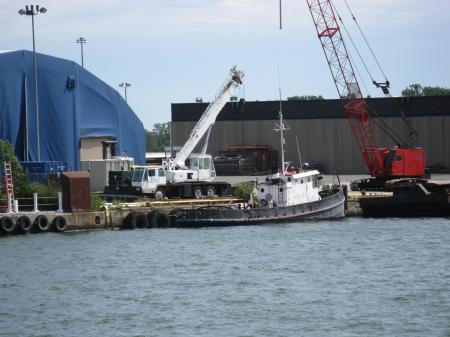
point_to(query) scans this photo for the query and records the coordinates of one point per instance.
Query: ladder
(9, 187)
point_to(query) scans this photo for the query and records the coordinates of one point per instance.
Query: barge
(410, 198)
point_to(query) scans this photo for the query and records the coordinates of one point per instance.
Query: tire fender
(59, 224)
(141, 220)
(7, 224)
(24, 224)
(160, 219)
(41, 223)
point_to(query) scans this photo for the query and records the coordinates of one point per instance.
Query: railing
(33, 204)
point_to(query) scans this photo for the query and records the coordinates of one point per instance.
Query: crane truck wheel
(210, 191)
(198, 192)
(160, 194)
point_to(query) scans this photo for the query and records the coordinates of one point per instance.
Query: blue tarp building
(73, 104)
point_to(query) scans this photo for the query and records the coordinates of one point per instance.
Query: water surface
(355, 277)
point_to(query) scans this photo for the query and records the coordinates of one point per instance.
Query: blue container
(39, 170)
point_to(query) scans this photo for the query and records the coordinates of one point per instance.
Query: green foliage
(23, 188)
(413, 90)
(243, 191)
(116, 203)
(158, 138)
(305, 98)
(96, 201)
(20, 179)
(417, 90)
(436, 91)
(43, 191)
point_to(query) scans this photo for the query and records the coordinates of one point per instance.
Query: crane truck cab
(200, 167)
(147, 179)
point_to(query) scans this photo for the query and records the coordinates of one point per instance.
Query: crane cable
(387, 129)
(381, 124)
(353, 43)
(367, 42)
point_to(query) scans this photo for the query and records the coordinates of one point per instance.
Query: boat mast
(280, 127)
(282, 140)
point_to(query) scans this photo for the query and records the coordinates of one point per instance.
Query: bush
(96, 201)
(43, 191)
(243, 191)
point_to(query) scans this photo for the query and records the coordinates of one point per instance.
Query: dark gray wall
(327, 140)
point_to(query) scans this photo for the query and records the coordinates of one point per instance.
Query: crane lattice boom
(354, 104)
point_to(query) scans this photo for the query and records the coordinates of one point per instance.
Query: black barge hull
(409, 206)
(329, 207)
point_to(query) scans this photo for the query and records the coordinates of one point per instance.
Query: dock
(112, 217)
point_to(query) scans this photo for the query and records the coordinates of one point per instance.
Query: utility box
(99, 169)
(76, 191)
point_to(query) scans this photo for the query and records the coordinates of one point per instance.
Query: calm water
(354, 277)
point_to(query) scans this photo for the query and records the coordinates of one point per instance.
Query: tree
(413, 90)
(305, 98)
(417, 90)
(436, 91)
(158, 138)
(7, 155)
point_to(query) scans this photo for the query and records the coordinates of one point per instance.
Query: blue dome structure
(73, 104)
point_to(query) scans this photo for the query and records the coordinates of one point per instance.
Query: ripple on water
(356, 277)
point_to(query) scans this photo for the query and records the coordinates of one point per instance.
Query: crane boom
(208, 118)
(382, 162)
(354, 104)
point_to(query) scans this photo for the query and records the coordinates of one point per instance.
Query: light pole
(32, 10)
(82, 41)
(125, 85)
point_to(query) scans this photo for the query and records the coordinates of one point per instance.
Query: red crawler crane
(383, 163)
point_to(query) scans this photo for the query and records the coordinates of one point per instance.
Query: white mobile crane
(175, 178)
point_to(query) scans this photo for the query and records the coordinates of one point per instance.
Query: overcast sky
(176, 50)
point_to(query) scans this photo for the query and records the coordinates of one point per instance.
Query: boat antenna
(299, 156)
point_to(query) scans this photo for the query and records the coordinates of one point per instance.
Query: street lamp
(82, 41)
(32, 10)
(125, 85)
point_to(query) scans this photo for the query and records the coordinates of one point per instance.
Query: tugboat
(286, 195)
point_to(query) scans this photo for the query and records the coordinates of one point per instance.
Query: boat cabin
(289, 188)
